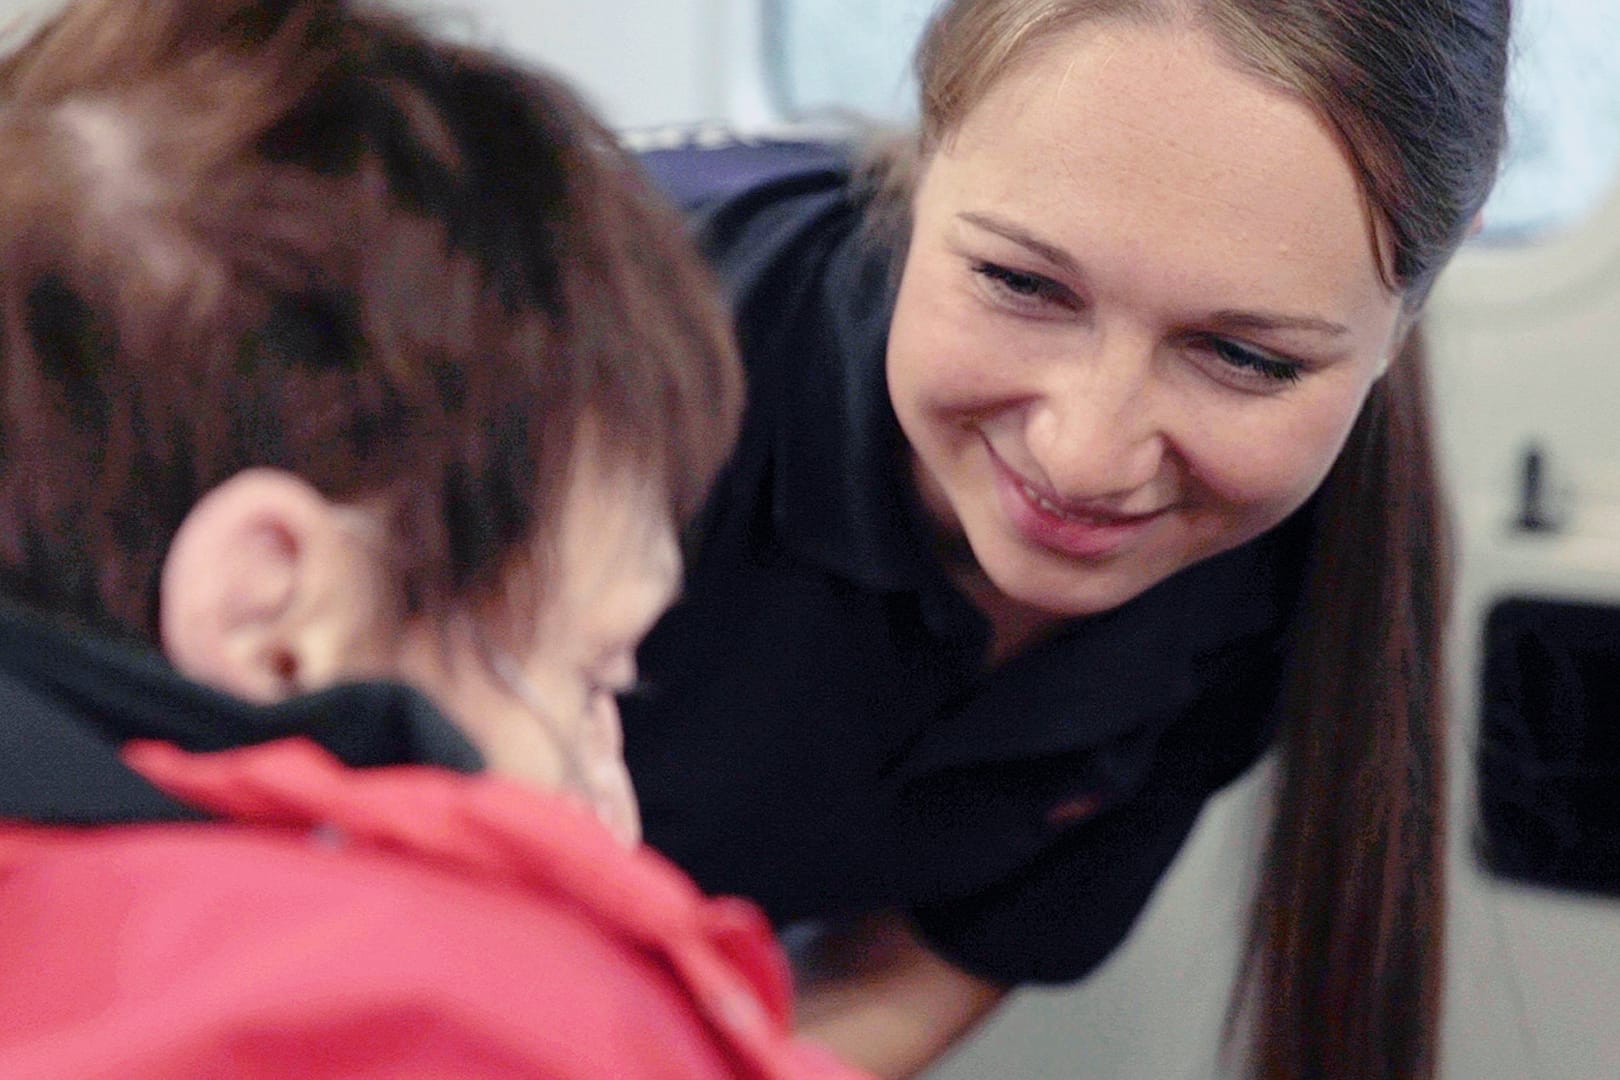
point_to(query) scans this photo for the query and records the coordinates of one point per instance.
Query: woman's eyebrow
(1275, 321)
(1060, 259)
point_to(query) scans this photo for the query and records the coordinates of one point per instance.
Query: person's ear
(1406, 324)
(1387, 361)
(264, 593)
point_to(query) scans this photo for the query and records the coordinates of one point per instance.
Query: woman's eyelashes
(1253, 366)
(612, 691)
(1024, 290)
(613, 678)
(1036, 294)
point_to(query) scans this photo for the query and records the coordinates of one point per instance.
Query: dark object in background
(1549, 760)
(1534, 514)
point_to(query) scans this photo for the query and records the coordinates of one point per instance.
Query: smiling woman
(1086, 457)
(1121, 352)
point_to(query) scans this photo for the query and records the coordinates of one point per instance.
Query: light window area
(1563, 121)
(832, 58)
(843, 58)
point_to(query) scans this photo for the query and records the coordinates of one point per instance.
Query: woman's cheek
(1261, 473)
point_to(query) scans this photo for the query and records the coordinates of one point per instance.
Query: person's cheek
(614, 800)
(514, 744)
(602, 758)
(1252, 473)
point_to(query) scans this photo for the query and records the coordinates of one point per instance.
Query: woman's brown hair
(303, 234)
(1344, 971)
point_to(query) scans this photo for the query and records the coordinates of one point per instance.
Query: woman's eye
(611, 689)
(600, 696)
(1023, 288)
(612, 675)
(1253, 365)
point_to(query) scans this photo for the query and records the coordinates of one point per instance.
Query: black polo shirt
(820, 729)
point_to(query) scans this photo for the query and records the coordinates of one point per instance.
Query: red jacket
(394, 922)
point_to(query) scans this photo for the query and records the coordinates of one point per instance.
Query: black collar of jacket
(70, 700)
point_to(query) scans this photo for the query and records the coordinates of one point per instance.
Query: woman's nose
(1097, 432)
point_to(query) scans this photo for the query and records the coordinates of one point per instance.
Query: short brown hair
(303, 234)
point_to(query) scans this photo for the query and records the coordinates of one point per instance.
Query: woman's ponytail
(1345, 968)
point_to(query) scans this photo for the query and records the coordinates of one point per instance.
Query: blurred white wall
(1528, 343)
(640, 62)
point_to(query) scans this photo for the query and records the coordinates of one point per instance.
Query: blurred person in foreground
(352, 387)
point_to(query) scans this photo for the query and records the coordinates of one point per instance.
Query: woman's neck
(1014, 626)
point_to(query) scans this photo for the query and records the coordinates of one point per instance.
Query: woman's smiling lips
(1075, 531)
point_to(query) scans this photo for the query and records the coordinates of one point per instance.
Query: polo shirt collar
(1131, 671)
(842, 497)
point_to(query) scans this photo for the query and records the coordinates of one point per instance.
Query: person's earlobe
(238, 608)
(1404, 329)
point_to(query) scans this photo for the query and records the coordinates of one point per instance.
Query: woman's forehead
(1152, 142)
